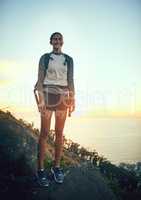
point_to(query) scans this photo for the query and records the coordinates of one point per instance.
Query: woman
(55, 87)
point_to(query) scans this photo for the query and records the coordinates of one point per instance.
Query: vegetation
(124, 180)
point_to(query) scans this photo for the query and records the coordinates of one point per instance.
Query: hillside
(88, 175)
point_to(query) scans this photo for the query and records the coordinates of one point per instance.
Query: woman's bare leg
(45, 128)
(60, 117)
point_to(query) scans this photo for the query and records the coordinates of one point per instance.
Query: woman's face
(57, 41)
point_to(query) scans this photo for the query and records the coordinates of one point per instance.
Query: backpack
(47, 58)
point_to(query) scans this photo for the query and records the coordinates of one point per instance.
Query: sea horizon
(116, 138)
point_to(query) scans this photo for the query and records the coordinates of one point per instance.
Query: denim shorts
(56, 99)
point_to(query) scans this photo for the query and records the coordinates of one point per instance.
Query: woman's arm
(39, 83)
(41, 74)
(71, 85)
(70, 75)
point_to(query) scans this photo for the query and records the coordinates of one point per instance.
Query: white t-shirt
(56, 73)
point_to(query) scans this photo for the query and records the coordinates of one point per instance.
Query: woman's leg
(45, 128)
(60, 117)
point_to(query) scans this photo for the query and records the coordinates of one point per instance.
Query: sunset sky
(102, 36)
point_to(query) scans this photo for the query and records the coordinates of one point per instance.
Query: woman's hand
(42, 107)
(71, 107)
(41, 104)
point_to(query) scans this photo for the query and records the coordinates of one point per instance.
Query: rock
(18, 159)
(82, 183)
(79, 183)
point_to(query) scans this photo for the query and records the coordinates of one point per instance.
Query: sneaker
(57, 174)
(42, 178)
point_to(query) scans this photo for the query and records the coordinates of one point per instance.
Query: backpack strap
(46, 61)
(47, 57)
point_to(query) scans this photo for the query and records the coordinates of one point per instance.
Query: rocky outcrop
(18, 159)
(79, 183)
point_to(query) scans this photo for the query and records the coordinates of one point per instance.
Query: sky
(102, 36)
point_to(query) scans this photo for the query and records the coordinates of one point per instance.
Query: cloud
(10, 71)
(4, 82)
(6, 75)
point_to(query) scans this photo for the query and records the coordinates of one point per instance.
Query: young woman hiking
(55, 88)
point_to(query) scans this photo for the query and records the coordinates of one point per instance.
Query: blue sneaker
(42, 178)
(57, 174)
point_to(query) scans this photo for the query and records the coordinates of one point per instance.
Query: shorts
(56, 100)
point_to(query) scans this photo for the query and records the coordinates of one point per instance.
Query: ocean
(117, 139)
